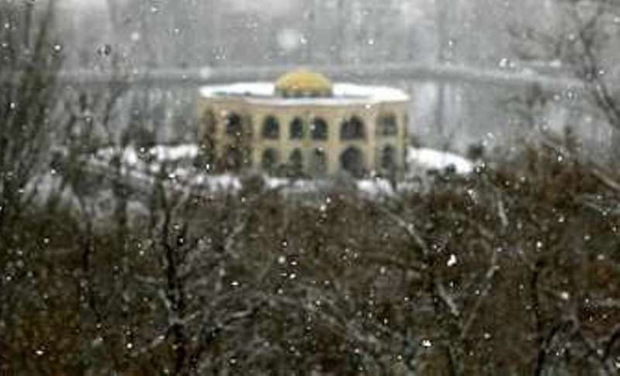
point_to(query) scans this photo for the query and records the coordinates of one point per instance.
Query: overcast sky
(274, 7)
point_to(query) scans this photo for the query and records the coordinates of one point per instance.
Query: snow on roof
(343, 94)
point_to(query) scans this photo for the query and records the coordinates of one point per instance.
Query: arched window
(352, 129)
(296, 162)
(387, 125)
(318, 162)
(318, 129)
(271, 128)
(352, 161)
(233, 159)
(297, 129)
(388, 158)
(270, 159)
(234, 124)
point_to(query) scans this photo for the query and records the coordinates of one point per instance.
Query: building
(304, 125)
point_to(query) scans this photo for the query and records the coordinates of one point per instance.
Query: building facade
(303, 125)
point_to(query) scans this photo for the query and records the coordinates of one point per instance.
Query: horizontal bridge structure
(544, 76)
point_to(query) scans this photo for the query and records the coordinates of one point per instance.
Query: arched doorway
(388, 158)
(270, 160)
(389, 163)
(318, 162)
(233, 159)
(296, 162)
(352, 161)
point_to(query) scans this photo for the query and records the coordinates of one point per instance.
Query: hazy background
(157, 34)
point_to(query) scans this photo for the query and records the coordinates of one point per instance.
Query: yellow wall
(332, 114)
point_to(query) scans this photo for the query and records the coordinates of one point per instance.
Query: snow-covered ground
(419, 160)
(423, 160)
(140, 167)
(159, 153)
(143, 164)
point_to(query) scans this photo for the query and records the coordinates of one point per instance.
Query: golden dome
(303, 83)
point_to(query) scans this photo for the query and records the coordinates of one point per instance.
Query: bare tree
(29, 60)
(582, 39)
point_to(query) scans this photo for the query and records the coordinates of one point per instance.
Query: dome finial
(303, 83)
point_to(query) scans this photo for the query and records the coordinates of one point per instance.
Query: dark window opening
(318, 129)
(352, 129)
(388, 125)
(234, 124)
(352, 161)
(271, 128)
(297, 129)
(388, 159)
